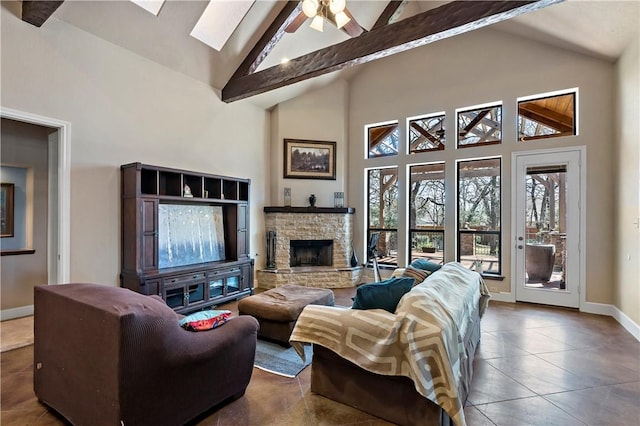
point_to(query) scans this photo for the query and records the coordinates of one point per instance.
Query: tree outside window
(479, 233)
(383, 212)
(426, 211)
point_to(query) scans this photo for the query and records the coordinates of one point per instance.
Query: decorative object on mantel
(287, 197)
(187, 191)
(304, 159)
(354, 258)
(338, 199)
(312, 200)
(271, 250)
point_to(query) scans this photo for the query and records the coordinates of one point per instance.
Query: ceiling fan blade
(295, 23)
(352, 28)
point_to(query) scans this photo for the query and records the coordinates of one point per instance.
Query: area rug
(276, 359)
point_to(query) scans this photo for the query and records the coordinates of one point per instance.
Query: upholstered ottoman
(277, 309)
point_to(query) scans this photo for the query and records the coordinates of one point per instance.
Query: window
(383, 212)
(426, 133)
(382, 139)
(479, 214)
(547, 117)
(426, 212)
(480, 126)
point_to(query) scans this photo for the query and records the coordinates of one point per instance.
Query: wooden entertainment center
(146, 191)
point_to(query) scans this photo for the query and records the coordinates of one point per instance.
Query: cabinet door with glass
(223, 283)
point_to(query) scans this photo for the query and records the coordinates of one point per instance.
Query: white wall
(320, 115)
(487, 66)
(124, 108)
(627, 185)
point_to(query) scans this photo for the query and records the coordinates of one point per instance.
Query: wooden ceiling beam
(37, 12)
(390, 14)
(269, 39)
(445, 21)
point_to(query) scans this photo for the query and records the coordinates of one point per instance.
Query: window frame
(491, 105)
(461, 231)
(415, 230)
(380, 229)
(541, 96)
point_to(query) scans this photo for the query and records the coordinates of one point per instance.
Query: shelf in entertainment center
(167, 182)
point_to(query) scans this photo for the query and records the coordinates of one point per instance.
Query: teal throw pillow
(204, 320)
(383, 295)
(426, 265)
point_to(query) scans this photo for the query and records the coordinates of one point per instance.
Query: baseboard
(13, 313)
(626, 322)
(617, 314)
(502, 297)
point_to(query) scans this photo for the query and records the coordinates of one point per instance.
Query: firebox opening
(311, 253)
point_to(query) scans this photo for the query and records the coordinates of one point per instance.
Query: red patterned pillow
(418, 274)
(204, 320)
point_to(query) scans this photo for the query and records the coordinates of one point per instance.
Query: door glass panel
(215, 287)
(175, 297)
(233, 284)
(545, 227)
(196, 293)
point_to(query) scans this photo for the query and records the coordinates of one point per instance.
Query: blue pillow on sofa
(383, 295)
(426, 265)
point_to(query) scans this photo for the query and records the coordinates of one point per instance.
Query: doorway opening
(58, 250)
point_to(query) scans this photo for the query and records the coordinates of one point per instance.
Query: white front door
(547, 219)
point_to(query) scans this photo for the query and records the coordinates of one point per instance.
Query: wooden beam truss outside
(448, 20)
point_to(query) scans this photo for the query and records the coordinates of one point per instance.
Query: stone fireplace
(312, 248)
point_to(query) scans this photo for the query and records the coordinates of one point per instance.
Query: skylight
(151, 6)
(219, 21)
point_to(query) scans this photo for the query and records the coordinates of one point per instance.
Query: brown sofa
(109, 356)
(393, 398)
(385, 363)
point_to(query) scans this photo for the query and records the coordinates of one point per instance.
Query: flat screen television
(189, 234)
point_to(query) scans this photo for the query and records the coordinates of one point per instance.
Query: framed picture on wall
(6, 210)
(304, 159)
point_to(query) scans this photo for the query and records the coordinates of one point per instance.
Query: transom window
(426, 133)
(480, 126)
(382, 139)
(479, 232)
(547, 117)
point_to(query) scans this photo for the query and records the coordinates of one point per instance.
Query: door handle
(520, 246)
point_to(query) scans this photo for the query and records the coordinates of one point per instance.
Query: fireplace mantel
(339, 210)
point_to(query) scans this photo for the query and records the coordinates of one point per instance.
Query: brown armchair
(110, 356)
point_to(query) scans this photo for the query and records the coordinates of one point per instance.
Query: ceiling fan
(334, 11)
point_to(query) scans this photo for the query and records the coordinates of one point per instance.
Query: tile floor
(535, 365)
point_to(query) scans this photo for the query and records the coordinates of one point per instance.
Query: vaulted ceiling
(250, 63)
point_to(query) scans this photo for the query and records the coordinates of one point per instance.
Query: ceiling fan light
(310, 8)
(317, 23)
(341, 19)
(337, 6)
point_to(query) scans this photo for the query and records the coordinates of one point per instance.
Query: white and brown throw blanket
(422, 340)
